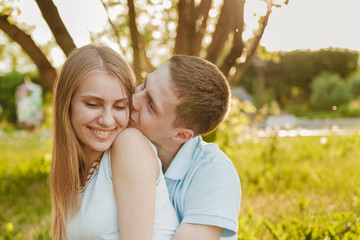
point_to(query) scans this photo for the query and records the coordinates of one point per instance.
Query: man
(181, 100)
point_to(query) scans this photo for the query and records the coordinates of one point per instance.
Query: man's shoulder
(200, 159)
(212, 154)
(210, 160)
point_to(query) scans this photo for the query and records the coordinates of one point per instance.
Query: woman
(95, 194)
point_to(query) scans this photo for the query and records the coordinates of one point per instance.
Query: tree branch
(57, 27)
(240, 69)
(113, 27)
(200, 20)
(137, 43)
(47, 73)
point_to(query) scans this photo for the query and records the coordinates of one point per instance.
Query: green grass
(299, 188)
(293, 188)
(344, 110)
(24, 196)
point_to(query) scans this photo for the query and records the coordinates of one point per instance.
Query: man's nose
(136, 101)
(136, 98)
(139, 88)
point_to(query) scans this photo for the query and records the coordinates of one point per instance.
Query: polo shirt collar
(183, 159)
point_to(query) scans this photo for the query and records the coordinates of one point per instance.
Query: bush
(354, 82)
(235, 124)
(328, 90)
(298, 69)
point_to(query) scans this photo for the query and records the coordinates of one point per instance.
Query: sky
(302, 24)
(314, 24)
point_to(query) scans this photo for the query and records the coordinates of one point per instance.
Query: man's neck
(167, 155)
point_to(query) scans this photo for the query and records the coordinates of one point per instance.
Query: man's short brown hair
(203, 91)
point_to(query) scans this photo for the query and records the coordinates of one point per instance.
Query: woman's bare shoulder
(131, 150)
(130, 136)
(132, 143)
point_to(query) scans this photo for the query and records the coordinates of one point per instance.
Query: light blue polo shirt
(204, 186)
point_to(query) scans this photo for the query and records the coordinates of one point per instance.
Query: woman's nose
(106, 118)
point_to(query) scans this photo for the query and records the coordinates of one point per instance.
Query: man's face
(154, 105)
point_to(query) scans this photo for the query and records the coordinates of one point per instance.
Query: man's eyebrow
(145, 81)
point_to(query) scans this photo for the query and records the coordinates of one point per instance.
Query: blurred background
(293, 130)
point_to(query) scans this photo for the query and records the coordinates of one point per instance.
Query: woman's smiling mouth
(101, 133)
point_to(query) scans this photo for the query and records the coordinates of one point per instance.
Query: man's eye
(151, 106)
(119, 107)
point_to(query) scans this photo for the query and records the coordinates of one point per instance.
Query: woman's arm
(134, 173)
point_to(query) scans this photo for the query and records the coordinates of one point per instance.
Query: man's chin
(132, 125)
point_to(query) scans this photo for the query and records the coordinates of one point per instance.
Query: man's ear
(183, 135)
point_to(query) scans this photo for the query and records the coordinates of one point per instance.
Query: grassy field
(24, 196)
(299, 188)
(293, 188)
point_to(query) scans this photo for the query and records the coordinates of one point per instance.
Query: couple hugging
(129, 162)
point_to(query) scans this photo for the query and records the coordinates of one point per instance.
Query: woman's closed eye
(120, 107)
(92, 105)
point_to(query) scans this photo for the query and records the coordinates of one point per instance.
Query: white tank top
(97, 215)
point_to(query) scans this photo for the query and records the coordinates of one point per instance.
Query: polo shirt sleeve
(213, 197)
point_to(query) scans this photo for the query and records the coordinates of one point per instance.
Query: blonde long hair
(67, 161)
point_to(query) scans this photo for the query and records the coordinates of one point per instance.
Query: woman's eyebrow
(125, 99)
(101, 100)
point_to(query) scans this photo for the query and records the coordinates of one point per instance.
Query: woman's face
(99, 111)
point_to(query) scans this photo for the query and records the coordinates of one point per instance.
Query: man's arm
(211, 203)
(188, 231)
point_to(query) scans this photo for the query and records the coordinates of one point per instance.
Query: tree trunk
(238, 45)
(52, 17)
(137, 44)
(134, 38)
(261, 86)
(200, 20)
(222, 30)
(47, 73)
(191, 26)
(241, 68)
(183, 28)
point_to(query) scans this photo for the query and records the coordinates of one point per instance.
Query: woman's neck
(90, 156)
